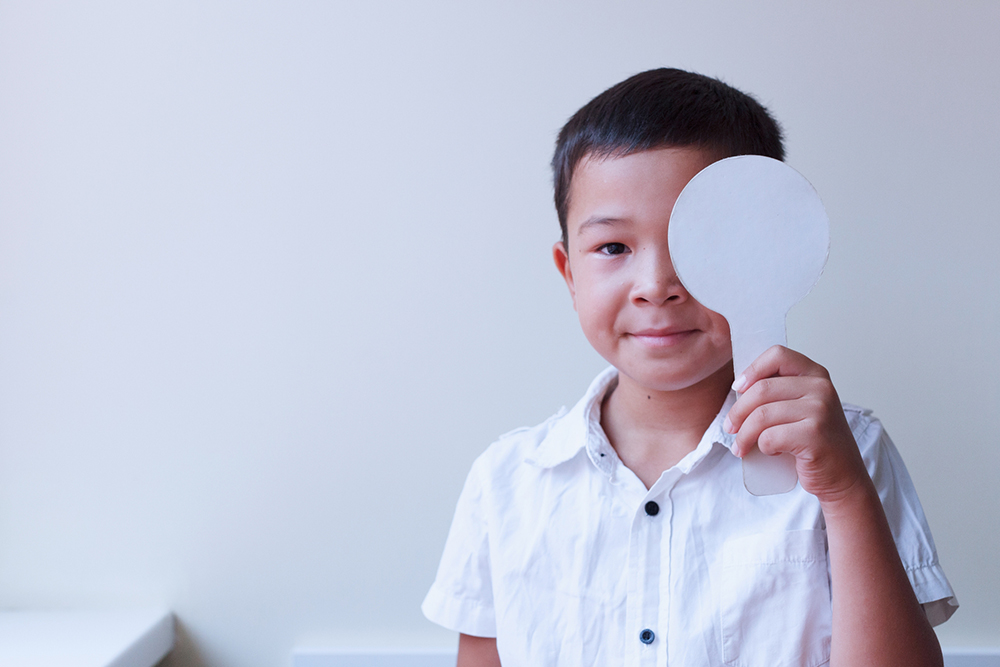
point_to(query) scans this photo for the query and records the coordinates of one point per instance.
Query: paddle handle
(763, 475)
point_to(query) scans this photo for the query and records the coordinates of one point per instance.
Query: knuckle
(758, 389)
(763, 414)
(766, 387)
(814, 429)
(825, 388)
(768, 441)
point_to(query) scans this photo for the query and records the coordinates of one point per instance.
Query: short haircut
(663, 108)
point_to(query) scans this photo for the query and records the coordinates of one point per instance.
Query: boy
(620, 533)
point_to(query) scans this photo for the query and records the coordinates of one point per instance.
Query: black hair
(663, 108)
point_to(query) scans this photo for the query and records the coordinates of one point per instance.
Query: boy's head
(658, 109)
(620, 164)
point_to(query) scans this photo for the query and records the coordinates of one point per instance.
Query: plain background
(272, 274)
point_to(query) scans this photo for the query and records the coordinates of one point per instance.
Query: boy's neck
(652, 430)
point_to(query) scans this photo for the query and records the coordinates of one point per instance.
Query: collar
(580, 429)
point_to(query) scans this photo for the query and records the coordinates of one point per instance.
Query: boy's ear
(561, 257)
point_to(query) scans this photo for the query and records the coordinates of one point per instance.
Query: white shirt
(558, 550)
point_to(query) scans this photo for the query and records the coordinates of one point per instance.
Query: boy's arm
(876, 617)
(788, 404)
(477, 651)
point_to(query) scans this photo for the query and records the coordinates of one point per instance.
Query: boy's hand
(788, 404)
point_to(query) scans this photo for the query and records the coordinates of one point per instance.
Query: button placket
(647, 636)
(667, 560)
(652, 638)
(645, 585)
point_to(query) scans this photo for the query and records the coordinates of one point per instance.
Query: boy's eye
(613, 248)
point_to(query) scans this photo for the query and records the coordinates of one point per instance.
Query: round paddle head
(748, 238)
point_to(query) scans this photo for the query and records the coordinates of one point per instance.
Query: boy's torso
(585, 565)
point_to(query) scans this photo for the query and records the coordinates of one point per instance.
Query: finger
(769, 390)
(764, 426)
(778, 360)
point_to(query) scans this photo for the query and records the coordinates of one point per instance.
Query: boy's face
(632, 307)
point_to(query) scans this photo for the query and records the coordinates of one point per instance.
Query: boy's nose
(657, 282)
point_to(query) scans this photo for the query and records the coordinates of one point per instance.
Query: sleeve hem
(464, 615)
(933, 592)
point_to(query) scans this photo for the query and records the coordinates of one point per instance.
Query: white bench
(85, 638)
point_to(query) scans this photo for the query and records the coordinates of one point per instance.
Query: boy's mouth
(663, 337)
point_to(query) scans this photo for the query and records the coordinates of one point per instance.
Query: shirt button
(647, 636)
(652, 509)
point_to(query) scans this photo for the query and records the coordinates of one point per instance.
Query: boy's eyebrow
(596, 221)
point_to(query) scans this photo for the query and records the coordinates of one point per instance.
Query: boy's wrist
(858, 500)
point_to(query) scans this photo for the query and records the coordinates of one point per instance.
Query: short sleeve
(461, 597)
(906, 520)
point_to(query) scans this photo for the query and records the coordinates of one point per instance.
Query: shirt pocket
(775, 600)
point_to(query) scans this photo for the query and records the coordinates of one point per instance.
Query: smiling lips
(663, 337)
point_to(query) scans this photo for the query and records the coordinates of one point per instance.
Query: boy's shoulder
(865, 426)
(524, 443)
(507, 473)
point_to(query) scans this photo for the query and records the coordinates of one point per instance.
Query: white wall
(272, 274)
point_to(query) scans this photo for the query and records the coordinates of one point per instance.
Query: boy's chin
(674, 380)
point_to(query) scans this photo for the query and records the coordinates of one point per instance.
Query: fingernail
(734, 449)
(740, 384)
(727, 425)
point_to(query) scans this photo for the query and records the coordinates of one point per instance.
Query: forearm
(477, 651)
(876, 617)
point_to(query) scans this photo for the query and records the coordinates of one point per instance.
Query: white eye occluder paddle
(748, 238)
